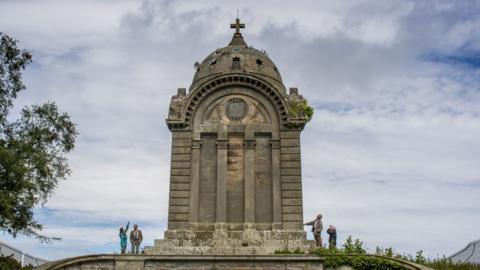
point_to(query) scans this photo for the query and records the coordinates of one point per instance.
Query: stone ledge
(204, 262)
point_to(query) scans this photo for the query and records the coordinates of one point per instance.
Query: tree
(33, 148)
(9, 263)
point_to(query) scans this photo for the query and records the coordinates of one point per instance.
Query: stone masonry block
(181, 157)
(291, 178)
(178, 201)
(291, 172)
(178, 217)
(180, 179)
(290, 157)
(289, 142)
(292, 186)
(181, 150)
(289, 134)
(291, 194)
(179, 194)
(180, 164)
(292, 210)
(177, 225)
(181, 142)
(291, 164)
(182, 172)
(179, 186)
(289, 225)
(292, 201)
(290, 150)
(292, 217)
(178, 209)
(181, 135)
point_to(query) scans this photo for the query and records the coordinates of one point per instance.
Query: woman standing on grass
(123, 238)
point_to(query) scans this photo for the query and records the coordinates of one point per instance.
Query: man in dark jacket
(317, 227)
(332, 236)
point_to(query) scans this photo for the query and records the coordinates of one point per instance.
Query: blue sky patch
(465, 58)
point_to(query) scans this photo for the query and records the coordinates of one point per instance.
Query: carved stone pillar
(249, 181)
(221, 211)
(194, 182)
(276, 186)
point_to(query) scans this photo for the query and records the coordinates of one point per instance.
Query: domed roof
(237, 57)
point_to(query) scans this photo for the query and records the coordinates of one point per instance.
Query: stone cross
(237, 25)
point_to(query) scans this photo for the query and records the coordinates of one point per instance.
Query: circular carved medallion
(236, 109)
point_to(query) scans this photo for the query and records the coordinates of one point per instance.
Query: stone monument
(235, 178)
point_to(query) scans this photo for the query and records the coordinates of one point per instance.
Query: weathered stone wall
(291, 171)
(178, 209)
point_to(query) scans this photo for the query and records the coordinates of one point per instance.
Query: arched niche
(235, 127)
(217, 84)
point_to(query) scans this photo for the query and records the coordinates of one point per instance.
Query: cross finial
(237, 25)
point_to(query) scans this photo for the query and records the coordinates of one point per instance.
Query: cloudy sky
(392, 155)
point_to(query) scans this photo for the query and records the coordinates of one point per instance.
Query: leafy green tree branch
(33, 148)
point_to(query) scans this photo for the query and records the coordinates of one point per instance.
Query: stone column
(276, 186)
(249, 181)
(221, 211)
(194, 182)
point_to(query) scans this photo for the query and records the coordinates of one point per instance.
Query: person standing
(136, 238)
(332, 236)
(123, 238)
(317, 227)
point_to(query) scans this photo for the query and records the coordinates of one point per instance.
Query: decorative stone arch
(220, 98)
(226, 81)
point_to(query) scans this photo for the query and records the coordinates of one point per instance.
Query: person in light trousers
(136, 238)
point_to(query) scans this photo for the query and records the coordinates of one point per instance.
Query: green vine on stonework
(353, 254)
(362, 262)
(355, 257)
(300, 109)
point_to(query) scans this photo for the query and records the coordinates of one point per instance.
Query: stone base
(224, 242)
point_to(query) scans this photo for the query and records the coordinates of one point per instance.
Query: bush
(353, 247)
(362, 262)
(354, 254)
(9, 263)
(301, 109)
(445, 264)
